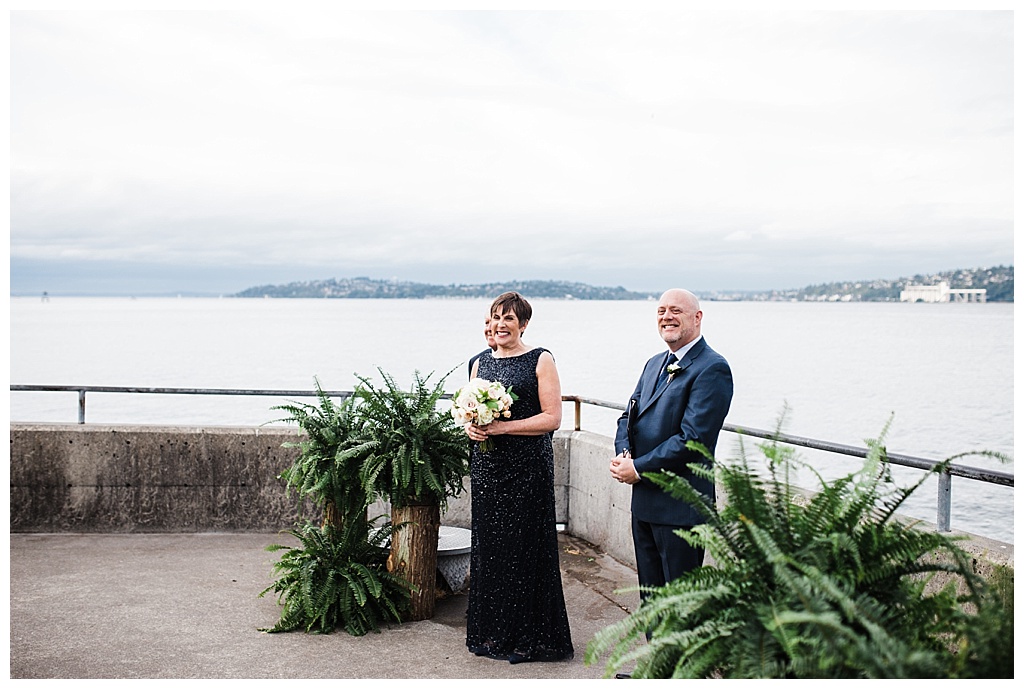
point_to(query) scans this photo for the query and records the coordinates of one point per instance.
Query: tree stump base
(414, 554)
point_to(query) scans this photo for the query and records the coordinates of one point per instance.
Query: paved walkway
(185, 606)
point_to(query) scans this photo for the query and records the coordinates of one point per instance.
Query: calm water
(945, 371)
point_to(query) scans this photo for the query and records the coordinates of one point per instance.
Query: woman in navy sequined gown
(516, 606)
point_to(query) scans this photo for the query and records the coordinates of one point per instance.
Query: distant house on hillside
(940, 293)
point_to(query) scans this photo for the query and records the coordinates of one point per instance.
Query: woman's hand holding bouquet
(480, 402)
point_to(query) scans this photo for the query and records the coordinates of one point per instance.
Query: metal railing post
(81, 406)
(943, 509)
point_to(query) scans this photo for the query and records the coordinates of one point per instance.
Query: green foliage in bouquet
(828, 585)
(336, 578)
(417, 454)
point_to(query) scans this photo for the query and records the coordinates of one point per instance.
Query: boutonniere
(673, 369)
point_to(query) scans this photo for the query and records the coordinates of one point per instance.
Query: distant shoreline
(997, 281)
(700, 296)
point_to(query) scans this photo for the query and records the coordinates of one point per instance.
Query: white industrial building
(940, 293)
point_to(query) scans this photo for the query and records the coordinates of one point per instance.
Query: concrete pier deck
(185, 606)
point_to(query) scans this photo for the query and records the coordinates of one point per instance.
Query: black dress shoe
(623, 675)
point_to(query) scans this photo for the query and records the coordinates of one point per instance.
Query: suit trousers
(661, 554)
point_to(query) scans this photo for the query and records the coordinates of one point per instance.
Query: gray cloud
(769, 149)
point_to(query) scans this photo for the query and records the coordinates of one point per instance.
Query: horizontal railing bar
(987, 475)
(991, 476)
(178, 391)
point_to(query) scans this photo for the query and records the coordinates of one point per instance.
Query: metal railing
(945, 477)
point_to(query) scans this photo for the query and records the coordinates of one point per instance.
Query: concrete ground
(147, 606)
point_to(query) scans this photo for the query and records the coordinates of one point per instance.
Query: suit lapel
(655, 392)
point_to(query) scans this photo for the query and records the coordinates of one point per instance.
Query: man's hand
(623, 470)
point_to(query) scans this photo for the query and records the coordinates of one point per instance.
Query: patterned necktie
(663, 376)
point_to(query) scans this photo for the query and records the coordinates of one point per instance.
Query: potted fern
(337, 576)
(826, 585)
(416, 458)
(326, 470)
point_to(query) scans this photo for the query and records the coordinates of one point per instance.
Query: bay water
(941, 373)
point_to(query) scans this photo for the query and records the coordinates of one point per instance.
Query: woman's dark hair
(514, 302)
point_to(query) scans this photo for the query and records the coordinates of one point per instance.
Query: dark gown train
(516, 606)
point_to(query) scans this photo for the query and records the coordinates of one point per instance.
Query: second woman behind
(516, 606)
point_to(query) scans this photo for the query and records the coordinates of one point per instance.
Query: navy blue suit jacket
(692, 406)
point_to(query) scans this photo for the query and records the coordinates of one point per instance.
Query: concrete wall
(70, 477)
(598, 505)
(95, 477)
(99, 478)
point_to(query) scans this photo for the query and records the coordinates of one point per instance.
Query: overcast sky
(154, 152)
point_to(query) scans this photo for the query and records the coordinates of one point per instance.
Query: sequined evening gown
(516, 606)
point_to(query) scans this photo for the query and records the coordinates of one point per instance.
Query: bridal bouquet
(480, 402)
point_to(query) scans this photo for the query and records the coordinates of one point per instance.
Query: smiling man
(683, 394)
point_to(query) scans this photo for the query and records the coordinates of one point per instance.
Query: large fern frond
(336, 578)
(832, 586)
(418, 451)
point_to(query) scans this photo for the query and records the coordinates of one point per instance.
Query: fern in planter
(337, 575)
(336, 578)
(417, 458)
(827, 586)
